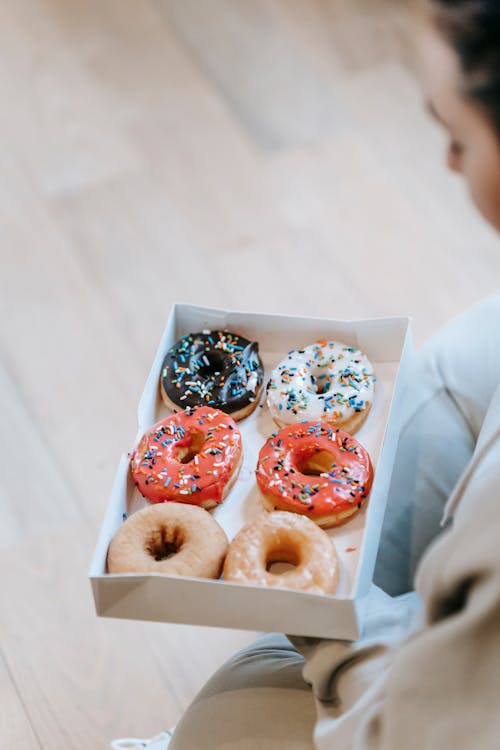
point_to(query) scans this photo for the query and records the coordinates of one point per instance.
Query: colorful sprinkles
(315, 469)
(188, 457)
(326, 381)
(213, 368)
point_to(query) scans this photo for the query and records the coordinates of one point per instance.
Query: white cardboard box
(387, 343)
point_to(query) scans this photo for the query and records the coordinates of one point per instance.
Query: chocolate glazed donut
(213, 368)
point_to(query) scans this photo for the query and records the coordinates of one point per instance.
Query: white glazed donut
(327, 381)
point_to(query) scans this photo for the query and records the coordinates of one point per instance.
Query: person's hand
(389, 620)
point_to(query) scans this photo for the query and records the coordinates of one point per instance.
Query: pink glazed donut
(191, 457)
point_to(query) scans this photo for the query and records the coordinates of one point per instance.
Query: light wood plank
(16, 730)
(61, 132)
(279, 98)
(64, 352)
(34, 494)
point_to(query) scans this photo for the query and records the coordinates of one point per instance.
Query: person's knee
(256, 699)
(271, 661)
(249, 718)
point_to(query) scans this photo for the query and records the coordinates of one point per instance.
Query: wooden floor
(266, 155)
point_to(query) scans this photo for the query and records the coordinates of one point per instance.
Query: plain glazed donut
(173, 539)
(283, 537)
(313, 469)
(193, 457)
(213, 368)
(327, 381)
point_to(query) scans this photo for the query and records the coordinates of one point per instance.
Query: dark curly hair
(472, 28)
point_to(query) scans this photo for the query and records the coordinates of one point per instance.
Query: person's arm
(441, 687)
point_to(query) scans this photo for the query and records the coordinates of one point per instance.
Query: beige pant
(256, 701)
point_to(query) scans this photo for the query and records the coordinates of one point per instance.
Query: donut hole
(210, 364)
(164, 543)
(315, 463)
(320, 381)
(277, 568)
(185, 453)
(282, 558)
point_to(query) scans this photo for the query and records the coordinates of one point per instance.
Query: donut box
(198, 601)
